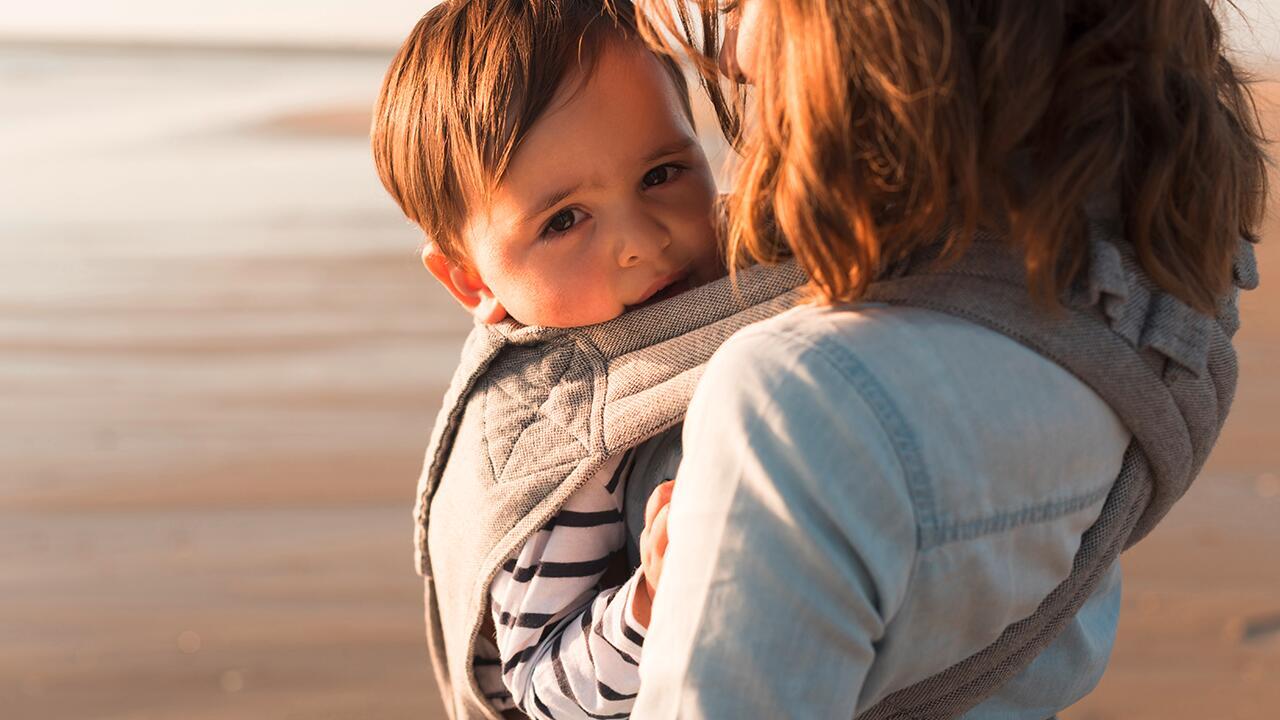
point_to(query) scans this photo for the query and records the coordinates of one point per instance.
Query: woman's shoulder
(904, 349)
(873, 328)
(919, 358)
(908, 350)
(986, 425)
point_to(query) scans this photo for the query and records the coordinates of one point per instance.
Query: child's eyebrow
(549, 202)
(671, 148)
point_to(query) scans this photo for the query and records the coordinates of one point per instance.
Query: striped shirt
(566, 645)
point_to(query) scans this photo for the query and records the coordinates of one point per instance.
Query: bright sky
(309, 22)
(303, 22)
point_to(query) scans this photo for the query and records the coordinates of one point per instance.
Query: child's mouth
(669, 287)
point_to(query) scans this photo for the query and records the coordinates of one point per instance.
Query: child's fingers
(653, 539)
(660, 496)
(653, 547)
(653, 575)
(659, 535)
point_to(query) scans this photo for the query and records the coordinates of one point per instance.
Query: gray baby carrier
(531, 415)
(514, 432)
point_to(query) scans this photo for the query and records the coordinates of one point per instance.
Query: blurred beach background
(220, 360)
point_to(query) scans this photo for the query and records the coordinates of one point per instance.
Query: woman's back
(846, 429)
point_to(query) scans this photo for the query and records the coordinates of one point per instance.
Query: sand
(220, 361)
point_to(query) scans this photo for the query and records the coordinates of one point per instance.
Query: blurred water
(115, 139)
(187, 228)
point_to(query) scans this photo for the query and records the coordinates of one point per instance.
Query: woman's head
(875, 125)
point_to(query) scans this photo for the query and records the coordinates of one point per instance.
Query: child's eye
(562, 222)
(661, 175)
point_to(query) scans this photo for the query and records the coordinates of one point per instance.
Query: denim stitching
(1005, 521)
(898, 430)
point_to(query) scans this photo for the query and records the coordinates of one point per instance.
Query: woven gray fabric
(1168, 372)
(533, 413)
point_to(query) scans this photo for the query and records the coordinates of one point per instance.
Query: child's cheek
(699, 196)
(584, 302)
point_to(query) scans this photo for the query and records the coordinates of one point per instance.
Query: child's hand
(653, 548)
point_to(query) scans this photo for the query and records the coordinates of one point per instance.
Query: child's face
(606, 205)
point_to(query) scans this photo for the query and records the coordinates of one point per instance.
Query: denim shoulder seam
(901, 435)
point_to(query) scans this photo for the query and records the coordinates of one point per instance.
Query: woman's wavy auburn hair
(878, 125)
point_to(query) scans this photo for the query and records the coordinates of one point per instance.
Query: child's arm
(568, 649)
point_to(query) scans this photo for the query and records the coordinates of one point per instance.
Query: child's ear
(465, 286)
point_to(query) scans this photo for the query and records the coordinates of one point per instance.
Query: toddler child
(551, 159)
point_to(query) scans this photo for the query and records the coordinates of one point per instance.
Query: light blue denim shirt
(868, 495)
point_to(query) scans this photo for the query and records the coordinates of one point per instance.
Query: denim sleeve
(792, 539)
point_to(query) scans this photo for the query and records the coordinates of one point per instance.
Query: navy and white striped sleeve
(568, 648)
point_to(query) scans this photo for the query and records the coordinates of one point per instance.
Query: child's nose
(642, 236)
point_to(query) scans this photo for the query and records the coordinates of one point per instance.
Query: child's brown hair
(466, 87)
(878, 123)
